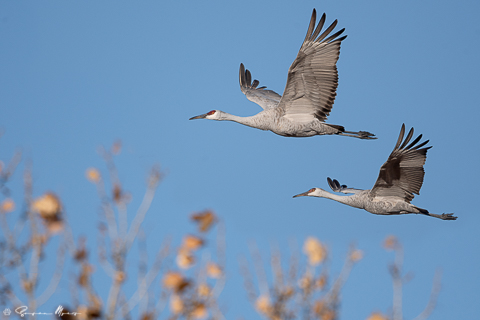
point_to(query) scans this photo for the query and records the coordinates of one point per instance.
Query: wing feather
(312, 24)
(327, 31)
(402, 174)
(313, 78)
(336, 187)
(267, 99)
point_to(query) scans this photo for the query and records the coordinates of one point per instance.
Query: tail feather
(336, 126)
(424, 211)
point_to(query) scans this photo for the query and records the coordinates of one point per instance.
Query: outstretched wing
(336, 187)
(312, 78)
(402, 174)
(267, 99)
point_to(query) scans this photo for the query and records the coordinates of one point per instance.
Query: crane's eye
(211, 112)
(311, 190)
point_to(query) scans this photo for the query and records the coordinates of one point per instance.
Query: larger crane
(400, 177)
(309, 93)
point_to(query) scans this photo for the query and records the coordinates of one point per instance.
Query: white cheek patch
(213, 116)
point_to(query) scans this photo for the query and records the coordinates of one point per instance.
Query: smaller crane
(400, 177)
(309, 93)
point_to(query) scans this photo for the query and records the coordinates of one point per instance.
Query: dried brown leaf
(175, 281)
(203, 290)
(176, 304)
(117, 193)
(204, 220)
(321, 282)
(192, 242)
(117, 147)
(120, 276)
(315, 251)
(356, 255)
(390, 243)
(377, 316)
(93, 175)
(263, 304)
(7, 206)
(185, 260)
(214, 270)
(48, 206)
(199, 311)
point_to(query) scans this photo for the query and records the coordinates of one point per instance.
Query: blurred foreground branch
(183, 282)
(391, 243)
(298, 295)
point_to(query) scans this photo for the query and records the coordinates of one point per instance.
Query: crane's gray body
(273, 120)
(366, 200)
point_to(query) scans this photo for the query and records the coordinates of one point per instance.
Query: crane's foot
(443, 216)
(366, 135)
(448, 216)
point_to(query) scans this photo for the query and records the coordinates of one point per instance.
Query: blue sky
(76, 75)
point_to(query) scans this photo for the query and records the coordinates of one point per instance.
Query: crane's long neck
(258, 121)
(353, 200)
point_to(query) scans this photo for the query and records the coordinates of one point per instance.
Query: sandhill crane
(309, 93)
(400, 177)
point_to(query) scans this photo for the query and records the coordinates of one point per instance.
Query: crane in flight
(309, 93)
(400, 177)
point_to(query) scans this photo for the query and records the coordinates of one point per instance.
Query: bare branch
(50, 290)
(340, 281)
(259, 270)
(276, 265)
(145, 283)
(7, 172)
(396, 272)
(144, 206)
(436, 286)
(248, 279)
(10, 294)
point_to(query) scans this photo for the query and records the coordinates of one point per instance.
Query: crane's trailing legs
(360, 134)
(443, 216)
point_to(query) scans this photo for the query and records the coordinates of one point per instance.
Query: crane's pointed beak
(301, 194)
(202, 116)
